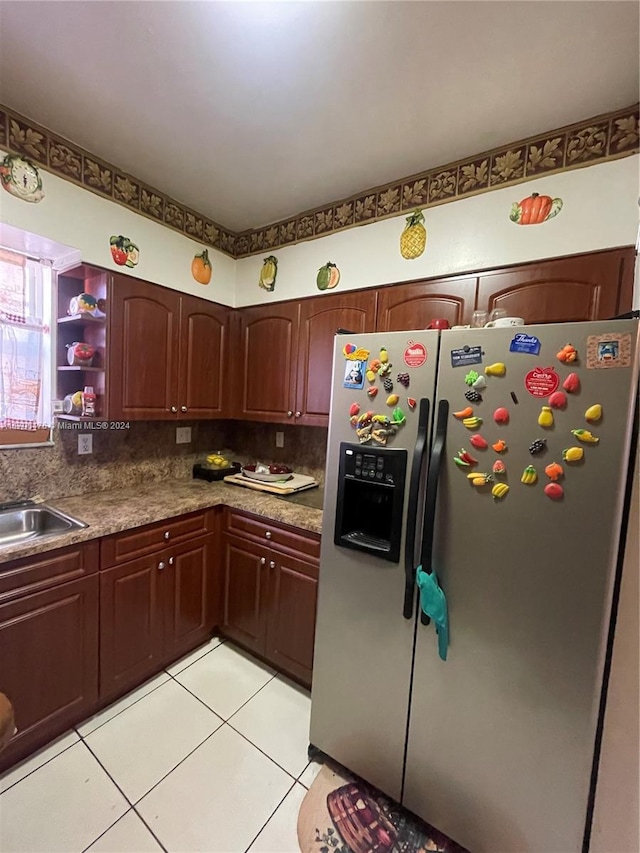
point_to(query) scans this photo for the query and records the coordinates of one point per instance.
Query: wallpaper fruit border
(599, 139)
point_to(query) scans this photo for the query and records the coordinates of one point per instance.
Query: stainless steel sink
(27, 521)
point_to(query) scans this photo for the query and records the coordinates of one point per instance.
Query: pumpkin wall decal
(535, 209)
(201, 267)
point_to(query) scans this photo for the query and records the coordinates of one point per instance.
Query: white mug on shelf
(501, 322)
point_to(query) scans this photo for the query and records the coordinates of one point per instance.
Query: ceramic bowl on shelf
(267, 473)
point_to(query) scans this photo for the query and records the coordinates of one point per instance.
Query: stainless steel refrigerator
(497, 744)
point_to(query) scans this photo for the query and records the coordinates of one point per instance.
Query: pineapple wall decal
(414, 237)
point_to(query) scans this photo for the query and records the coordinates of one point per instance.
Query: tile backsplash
(148, 452)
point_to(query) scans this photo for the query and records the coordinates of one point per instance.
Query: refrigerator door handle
(430, 503)
(412, 509)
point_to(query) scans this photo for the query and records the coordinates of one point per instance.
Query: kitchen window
(25, 350)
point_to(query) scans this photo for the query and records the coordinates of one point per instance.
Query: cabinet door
(49, 661)
(143, 351)
(189, 596)
(204, 381)
(131, 628)
(268, 349)
(292, 614)
(244, 611)
(320, 317)
(415, 305)
(584, 287)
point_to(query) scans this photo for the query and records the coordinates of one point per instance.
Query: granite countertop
(123, 509)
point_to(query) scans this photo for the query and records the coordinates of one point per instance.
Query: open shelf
(77, 368)
(82, 320)
(78, 418)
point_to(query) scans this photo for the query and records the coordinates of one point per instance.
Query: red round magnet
(541, 381)
(415, 355)
(501, 415)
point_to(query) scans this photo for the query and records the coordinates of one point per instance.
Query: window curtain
(25, 350)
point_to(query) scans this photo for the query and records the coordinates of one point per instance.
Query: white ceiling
(250, 112)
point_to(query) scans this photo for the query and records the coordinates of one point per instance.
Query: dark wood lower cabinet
(48, 662)
(292, 615)
(190, 596)
(270, 593)
(131, 630)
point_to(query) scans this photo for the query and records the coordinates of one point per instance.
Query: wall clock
(21, 178)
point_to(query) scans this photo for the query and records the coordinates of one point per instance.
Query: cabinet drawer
(122, 547)
(273, 534)
(41, 571)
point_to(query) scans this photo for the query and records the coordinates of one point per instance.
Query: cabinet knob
(167, 534)
(289, 414)
(171, 560)
(272, 564)
(263, 560)
(174, 409)
(161, 565)
(183, 408)
(268, 534)
(298, 414)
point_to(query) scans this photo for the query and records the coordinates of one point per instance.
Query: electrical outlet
(279, 439)
(183, 435)
(85, 443)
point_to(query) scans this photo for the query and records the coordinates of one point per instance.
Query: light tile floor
(210, 755)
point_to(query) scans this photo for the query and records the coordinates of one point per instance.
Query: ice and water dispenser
(369, 511)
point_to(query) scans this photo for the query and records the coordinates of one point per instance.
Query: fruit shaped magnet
(463, 413)
(535, 209)
(375, 365)
(353, 420)
(568, 354)
(404, 379)
(500, 446)
(545, 418)
(593, 413)
(414, 236)
(499, 490)
(268, 273)
(501, 415)
(387, 384)
(573, 454)
(21, 178)
(585, 435)
(354, 409)
(464, 458)
(371, 376)
(392, 400)
(480, 383)
(201, 268)
(473, 396)
(365, 418)
(412, 402)
(382, 434)
(572, 383)
(398, 416)
(384, 355)
(554, 491)
(537, 446)
(499, 467)
(472, 423)
(364, 433)
(557, 400)
(529, 476)
(328, 276)
(471, 377)
(554, 471)
(479, 480)
(123, 251)
(497, 369)
(372, 391)
(478, 442)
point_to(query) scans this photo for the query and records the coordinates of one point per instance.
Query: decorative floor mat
(341, 814)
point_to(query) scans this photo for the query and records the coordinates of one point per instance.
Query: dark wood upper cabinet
(49, 661)
(203, 378)
(143, 351)
(320, 317)
(596, 286)
(415, 305)
(268, 346)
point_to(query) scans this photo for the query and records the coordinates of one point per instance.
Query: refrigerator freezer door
(363, 646)
(501, 735)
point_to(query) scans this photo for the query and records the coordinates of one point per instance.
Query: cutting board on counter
(297, 483)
